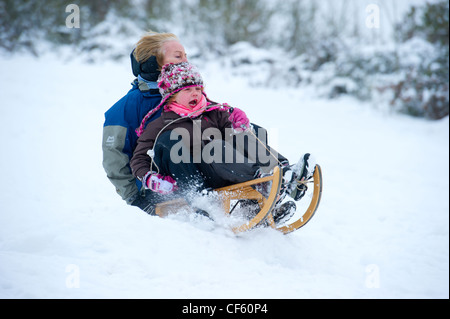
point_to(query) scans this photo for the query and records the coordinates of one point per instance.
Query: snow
(381, 231)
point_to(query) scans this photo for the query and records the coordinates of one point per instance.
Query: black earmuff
(148, 69)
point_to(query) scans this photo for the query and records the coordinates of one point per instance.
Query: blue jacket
(120, 138)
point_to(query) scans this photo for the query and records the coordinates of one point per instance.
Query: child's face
(189, 97)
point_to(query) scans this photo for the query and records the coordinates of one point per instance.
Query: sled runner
(297, 222)
(232, 196)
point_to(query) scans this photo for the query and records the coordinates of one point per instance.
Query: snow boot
(263, 188)
(296, 174)
(201, 212)
(284, 212)
(248, 207)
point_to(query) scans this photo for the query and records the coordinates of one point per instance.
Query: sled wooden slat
(245, 190)
(227, 194)
(166, 208)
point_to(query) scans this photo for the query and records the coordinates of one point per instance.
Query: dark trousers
(222, 162)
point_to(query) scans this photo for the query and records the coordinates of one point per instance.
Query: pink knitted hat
(173, 78)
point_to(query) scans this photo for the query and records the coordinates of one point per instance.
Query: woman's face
(173, 52)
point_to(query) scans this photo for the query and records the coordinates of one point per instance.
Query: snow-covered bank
(381, 230)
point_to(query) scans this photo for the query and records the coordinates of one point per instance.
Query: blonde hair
(151, 44)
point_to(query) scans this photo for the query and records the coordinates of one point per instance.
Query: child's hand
(159, 183)
(239, 120)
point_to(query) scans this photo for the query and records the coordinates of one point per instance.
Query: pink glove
(239, 120)
(159, 183)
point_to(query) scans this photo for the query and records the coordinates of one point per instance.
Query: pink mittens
(239, 120)
(159, 183)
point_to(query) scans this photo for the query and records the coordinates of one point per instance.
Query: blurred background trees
(424, 88)
(291, 42)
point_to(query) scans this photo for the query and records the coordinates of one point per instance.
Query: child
(217, 148)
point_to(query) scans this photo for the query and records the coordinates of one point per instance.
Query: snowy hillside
(382, 230)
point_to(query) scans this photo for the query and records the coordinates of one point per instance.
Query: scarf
(199, 109)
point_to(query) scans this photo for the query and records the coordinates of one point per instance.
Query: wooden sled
(246, 191)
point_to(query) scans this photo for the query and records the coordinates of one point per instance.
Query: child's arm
(140, 162)
(142, 168)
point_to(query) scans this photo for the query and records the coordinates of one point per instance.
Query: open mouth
(193, 102)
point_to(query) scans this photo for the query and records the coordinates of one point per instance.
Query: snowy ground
(382, 230)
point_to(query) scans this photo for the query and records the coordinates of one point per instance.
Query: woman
(119, 137)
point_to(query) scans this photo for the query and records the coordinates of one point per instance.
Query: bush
(423, 89)
(413, 75)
